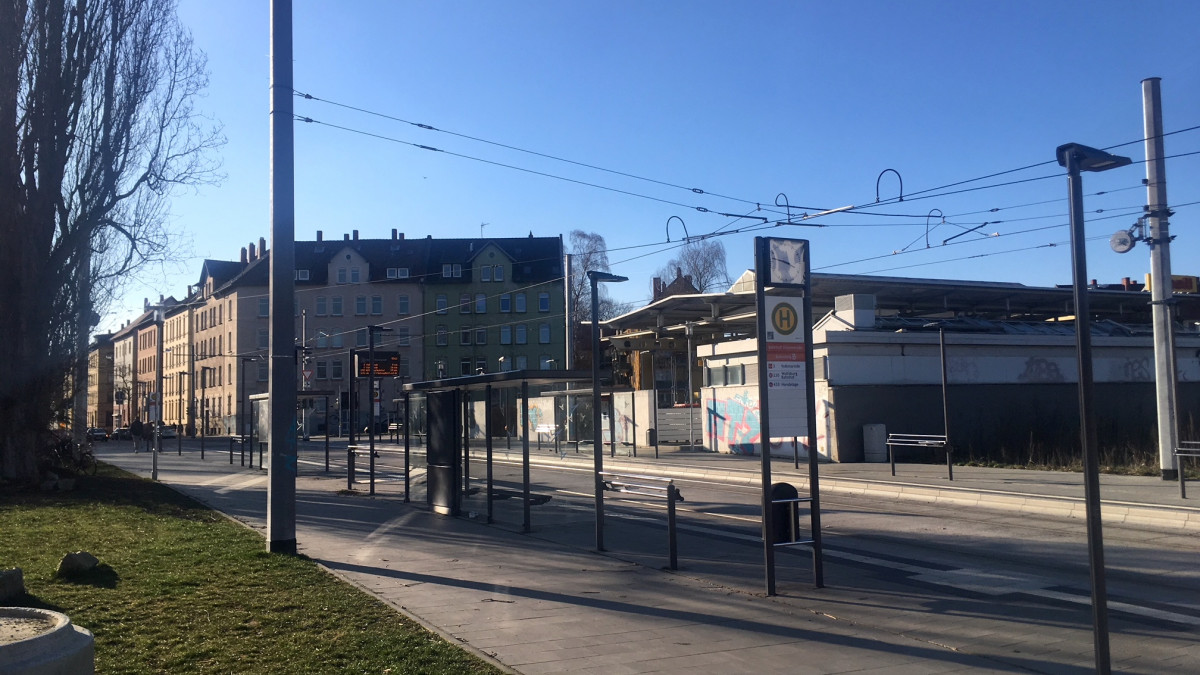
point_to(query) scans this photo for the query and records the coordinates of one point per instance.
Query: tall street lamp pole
(596, 277)
(1077, 158)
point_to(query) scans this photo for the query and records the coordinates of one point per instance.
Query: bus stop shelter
(447, 438)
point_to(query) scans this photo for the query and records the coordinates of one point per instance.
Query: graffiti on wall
(734, 421)
(1038, 369)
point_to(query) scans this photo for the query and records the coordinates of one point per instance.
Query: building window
(337, 341)
(498, 273)
(335, 305)
(522, 362)
(322, 305)
(402, 304)
(301, 275)
(360, 337)
(341, 275)
(544, 334)
(481, 365)
(546, 362)
(263, 371)
(377, 304)
(522, 337)
(322, 370)
(360, 305)
(264, 338)
(464, 367)
(354, 275)
(335, 369)
(264, 307)
(506, 335)
(457, 270)
(485, 273)
(378, 338)
(464, 335)
(505, 302)
(322, 340)
(397, 273)
(520, 302)
(481, 336)
(464, 303)
(404, 372)
(402, 336)
(440, 303)
(543, 302)
(442, 339)
(447, 270)
(391, 272)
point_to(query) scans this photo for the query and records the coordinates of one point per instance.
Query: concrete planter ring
(41, 642)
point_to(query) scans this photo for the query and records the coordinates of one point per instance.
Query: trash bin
(875, 443)
(784, 516)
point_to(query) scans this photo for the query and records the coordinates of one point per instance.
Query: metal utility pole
(1161, 292)
(281, 482)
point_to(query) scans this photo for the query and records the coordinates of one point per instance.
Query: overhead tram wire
(759, 206)
(360, 132)
(428, 127)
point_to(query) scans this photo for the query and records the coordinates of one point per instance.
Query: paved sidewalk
(534, 604)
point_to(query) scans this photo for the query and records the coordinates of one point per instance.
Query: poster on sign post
(786, 366)
(786, 393)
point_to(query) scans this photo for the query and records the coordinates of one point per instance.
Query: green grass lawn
(181, 589)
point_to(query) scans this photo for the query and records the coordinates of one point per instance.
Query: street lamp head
(1089, 159)
(597, 277)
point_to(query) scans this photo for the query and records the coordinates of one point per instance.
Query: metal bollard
(349, 468)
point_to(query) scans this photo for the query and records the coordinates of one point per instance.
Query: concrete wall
(1004, 421)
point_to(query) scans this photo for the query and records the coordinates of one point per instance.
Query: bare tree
(97, 130)
(701, 259)
(588, 252)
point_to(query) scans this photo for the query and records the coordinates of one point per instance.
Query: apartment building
(100, 383)
(434, 307)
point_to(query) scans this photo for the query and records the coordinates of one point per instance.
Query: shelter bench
(930, 441)
(653, 487)
(1185, 449)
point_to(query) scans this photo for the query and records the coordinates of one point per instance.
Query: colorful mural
(732, 421)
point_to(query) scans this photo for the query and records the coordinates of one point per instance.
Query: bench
(395, 429)
(648, 486)
(1185, 449)
(930, 441)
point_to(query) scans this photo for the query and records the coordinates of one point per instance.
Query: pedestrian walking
(135, 432)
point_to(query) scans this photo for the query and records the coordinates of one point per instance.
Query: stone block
(12, 584)
(74, 563)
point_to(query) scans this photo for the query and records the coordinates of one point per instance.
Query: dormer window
(397, 272)
(302, 275)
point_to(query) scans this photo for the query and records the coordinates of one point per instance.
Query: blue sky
(741, 99)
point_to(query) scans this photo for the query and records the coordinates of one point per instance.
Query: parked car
(169, 432)
(122, 433)
(97, 434)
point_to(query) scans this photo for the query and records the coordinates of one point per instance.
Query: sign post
(786, 386)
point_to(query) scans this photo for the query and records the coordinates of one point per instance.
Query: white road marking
(249, 482)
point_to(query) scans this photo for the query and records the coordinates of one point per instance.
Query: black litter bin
(785, 520)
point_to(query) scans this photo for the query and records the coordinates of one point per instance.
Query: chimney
(355, 235)
(401, 236)
(244, 259)
(856, 312)
(345, 237)
(320, 236)
(394, 231)
(253, 255)
(262, 247)
(678, 272)
(1126, 283)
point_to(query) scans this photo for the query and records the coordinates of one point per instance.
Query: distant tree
(97, 130)
(588, 252)
(701, 259)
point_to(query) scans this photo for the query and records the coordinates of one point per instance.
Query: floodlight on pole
(1077, 158)
(595, 278)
